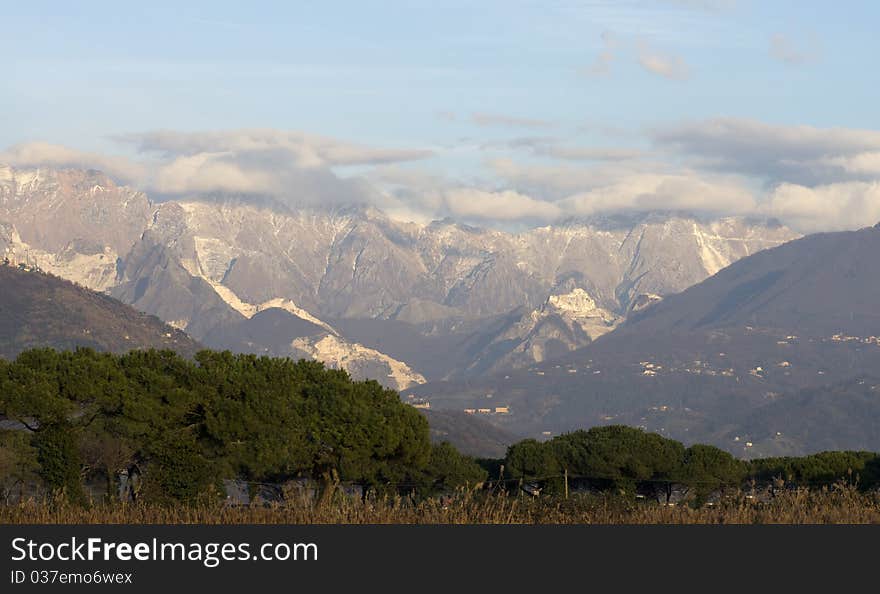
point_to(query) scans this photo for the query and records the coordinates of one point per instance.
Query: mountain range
(777, 353)
(404, 303)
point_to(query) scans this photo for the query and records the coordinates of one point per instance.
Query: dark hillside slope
(469, 434)
(824, 284)
(40, 310)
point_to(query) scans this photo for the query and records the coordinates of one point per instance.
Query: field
(840, 504)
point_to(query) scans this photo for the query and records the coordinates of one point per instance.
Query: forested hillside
(41, 310)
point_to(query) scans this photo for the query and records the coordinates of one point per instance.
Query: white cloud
(293, 167)
(554, 182)
(211, 172)
(800, 154)
(628, 185)
(682, 192)
(848, 205)
(667, 66)
(305, 150)
(471, 203)
(36, 154)
(867, 163)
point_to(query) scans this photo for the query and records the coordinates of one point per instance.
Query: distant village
(425, 404)
(498, 410)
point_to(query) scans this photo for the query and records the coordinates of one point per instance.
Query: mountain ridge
(555, 287)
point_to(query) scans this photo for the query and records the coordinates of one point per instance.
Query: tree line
(77, 418)
(185, 425)
(621, 458)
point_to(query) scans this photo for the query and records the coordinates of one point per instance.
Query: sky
(500, 113)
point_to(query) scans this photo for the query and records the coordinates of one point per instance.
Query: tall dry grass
(838, 504)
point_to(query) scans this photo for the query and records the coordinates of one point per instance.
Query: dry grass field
(835, 505)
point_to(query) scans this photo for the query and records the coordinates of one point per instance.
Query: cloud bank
(305, 150)
(801, 154)
(293, 167)
(810, 178)
(44, 154)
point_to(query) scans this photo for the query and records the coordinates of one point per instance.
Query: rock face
(511, 300)
(359, 360)
(51, 209)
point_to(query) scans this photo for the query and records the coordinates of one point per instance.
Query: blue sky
(481, 86)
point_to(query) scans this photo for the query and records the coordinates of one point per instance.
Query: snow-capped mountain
(510, 299)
